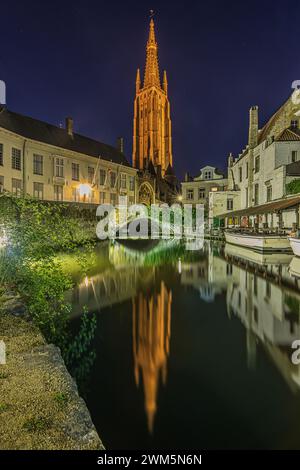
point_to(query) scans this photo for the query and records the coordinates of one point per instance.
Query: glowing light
(3, 239)
(179, 266)
(85, 190)
(179, 198)
(214, 189)
(86, 281)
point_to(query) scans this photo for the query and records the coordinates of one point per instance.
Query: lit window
(37, 164)
(16, 186)
(58, 192)
(113, 199)
(15, 159)
(38, 190)
(102, 197)
(75, 194)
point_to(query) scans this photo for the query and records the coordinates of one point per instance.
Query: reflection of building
(262, 294)
(151, 344)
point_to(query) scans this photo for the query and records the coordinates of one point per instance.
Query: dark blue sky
(80, 58)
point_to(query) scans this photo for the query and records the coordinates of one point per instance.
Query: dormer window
(294, 124)
(207, 175)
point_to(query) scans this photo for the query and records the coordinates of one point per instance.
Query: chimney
(69, 126)
(253, 127)
(230, 160)
(120, 144)
(187, 177)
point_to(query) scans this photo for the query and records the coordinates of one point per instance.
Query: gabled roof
(41, 131)
(288, 135)
(264, 132)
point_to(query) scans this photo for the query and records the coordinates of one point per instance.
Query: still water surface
(192, 350)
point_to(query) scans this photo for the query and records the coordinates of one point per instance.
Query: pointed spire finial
(165, 82)
(152, 71)
(138, 81)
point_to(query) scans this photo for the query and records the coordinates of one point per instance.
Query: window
(294, 124)
(91, 174)
(241, 174)
(294, 156)
(256, 194)
(16, 186)
(38, 190)
(131, 183)
(1, 154)
(113, 199)
(190, 194)
(123, 181)
(131, 200)
(257, 164)
(75, 171)
(229, 204)
(102, 197)
(269, 193)
(37, 164)
(15, 159)
(247, 170)
(75, 194)
(102, 177)
(113, 179)
(58, 192)
(1, 184)
(201, 193)
(207, 175)
(246, 197)
(59, 167)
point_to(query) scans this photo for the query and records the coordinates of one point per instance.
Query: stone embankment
(39, 403)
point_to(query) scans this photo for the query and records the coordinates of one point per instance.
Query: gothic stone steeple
(152, 130)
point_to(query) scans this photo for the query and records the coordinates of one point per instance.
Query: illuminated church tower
(152, 134)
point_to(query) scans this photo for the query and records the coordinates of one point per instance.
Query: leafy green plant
(293, 187)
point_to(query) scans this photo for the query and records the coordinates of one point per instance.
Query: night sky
(80, 58)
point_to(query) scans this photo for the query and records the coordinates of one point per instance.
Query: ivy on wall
(293, 187)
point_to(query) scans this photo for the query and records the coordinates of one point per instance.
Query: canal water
(191, 349)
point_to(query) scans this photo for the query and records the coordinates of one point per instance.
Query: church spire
(151, 70)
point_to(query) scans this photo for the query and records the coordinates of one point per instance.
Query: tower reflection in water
(151, 344)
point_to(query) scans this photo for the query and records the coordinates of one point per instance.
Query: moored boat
(260, 242)
(295, 245)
